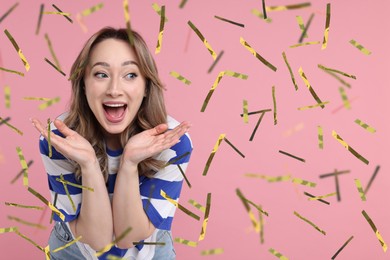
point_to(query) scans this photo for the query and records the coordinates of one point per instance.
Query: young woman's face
(114, 86)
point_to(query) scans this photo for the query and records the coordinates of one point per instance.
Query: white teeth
(114, 105)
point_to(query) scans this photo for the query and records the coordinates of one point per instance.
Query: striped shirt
(159, 211)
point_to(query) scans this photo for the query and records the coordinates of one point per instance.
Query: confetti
(215, 62)
(66, 245)
(260, 15)
(8, 230)
(47, 252)
(365, 126)
(312, 196)
(128, 24)
(257, 112)
(37, 98)
(186, 211)
(302, 26)
(40, 18)
(322, 196)
(30, 240)
(22, 206)
(24, 165)
(49, 103)
(176, 75)
(304, 182)
(257, 55)
(378, 235)
(338, 78)
(46, 202)
(182, 3)
(245, 109)
(344, 97)
(188, 39)
(277, 254)
(203, 39)
(320, 137)
(149, 243)
(12, 71)
(48, 138)
(287, 7)
(335, 173)
(54, 203)
(313, 106)
(215, 149)
(304, 44)
(114, 257)
(255, 223)
(206, 218)
(9, 11)
(293, 156)
(197, 205)
(157, 8)
(372, 179)
(309, 222)
(360, 189)
(312, 92)
(349, 148)
(55, 67)
(274, 102)
(341, 248)
(184, 176)
(116, 240)
(293, 130)
(261, 222)
(229, 21)
(258, 123)
(289, 69)
(10, 126)
(21, 55)
(92, 9)
(59, 10)
(336, 71)
(234, 148)
(215, 251)
(360, 47)
(269, 178)
(256, 206)
(264, 9)
(59, 13)
(74, 184)
(81, 22)
(21, 172)
(177, 158)
(326, 32)
(57, 63)
(186, 242)
(216, 82)
(26, 222)
(67, 193)
(305, 28)
(161, 32)
(7, 96)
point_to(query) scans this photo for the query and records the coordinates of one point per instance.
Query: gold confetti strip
(344, 97)
(304, 44)
(182, 3)
(229, 21)
(341, 248)
(26, 222)
(46, 202)
(287, 7)
(203, 39)
(320, 137)
(269, 178)
(176, 159)
(257, 207)
(116, 240)
(197, 205)
(323, 196)
(378, 235)
(293, 156)
(257, 112)
(47, 252)
(327, 23)
(258, 123)
(60, 13)
(301, 26)
(9, 11)
(184, 176)
(55, 67)
(277, 254)
(245, 109)
(360, 189)
(157, 8)
(336, 172)
(304, 182)
(21, 173)
(215, 62)
(59, 10)
(179, 77)
(336, 77)
(186, 211)
(254, 221)
(261, 222)
(257, 55)
(57, 63)
(114, 257)
(24, 165)
(67, 193)
(20, 53)
(7, 96)
(309, 222)
(365, 126)
(186, 242)
(312, 92)
(313, 106)
(74, 184)
(40, 18)
(215, 251)
(92, 9)
(264, 9)
(274, 102)
(48, 138)
(372, 179)
(360, 47)
(336, 71)
(30, 240)
(349, 148)
(215, 149)
(206, 218)
(55, 204)
(216, 82)
(149, 243)
(312, 196)
(161, 32)
(128, 24)
(66, 245)
(12, 71)
(234, 148)
(306, 28)
(22, 206)
(289, 69)
(37, 98)
(8, 230)
(10, 126)
(49, 103)
(260, 15)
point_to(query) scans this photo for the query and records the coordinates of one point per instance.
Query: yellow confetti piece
(48, 138)
(274, 102)
(59, 10)
(92, 9)
(46, 202)
(289, 69)
(344, 97)
(320, 137)
(360, 189)
(365, 126)
(47, 252)
(22, 206)
(229, 21)
(292, 156)
(186, 242)
(234, 148)
(206, 218)
(30, 240)
(21, 172)
(215, 62)
(116, 240)
(21, 55)
(203, 39)
(8, 230)
(12, 71)
(128, 24)
(378, 235)
(245, 109)
(26, 222)
(157, 8)
(197, 205)
(186, 211)
(184, 176)
(309, 222)
(7, 96)
(287, 7)
(54, 203)
(55, 67)
(360, 47)
(161, 32)
(255, 223)
(336, 71)
(304, 44)
(40, 18)
(66, 245)
(179, 77)
(10, 126)
(49, 103)
(214, 251)
(306, 28)
(259, 14)
(37, 98)
(349, 148)
(301, 26)
(312, 196)
(257, 55)
(59, 13)
(269, 178)
(114, 257)
(313, 106)
(67, 193)
(326, 32)
(8, 12)
(344, 245)
(323, 196)
(24, 165)
(261, 222)
(277, 254)
(215, 149)
(57, 63)
(74, 184)
(256, 206)
(304, 182)
(312, 92)
(216, 82)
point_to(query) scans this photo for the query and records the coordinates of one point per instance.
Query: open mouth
(114, 112)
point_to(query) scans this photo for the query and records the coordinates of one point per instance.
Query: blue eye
(100, 75)
(131, 76)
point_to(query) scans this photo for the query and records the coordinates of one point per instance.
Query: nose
(113, 88)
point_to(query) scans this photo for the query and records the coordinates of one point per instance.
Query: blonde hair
(151, 113)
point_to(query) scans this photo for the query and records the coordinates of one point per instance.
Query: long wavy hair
(151, 113)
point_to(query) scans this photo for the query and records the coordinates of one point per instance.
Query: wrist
(90, 166)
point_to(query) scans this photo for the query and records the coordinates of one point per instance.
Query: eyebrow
(105, 64)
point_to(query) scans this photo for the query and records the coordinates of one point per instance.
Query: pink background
(229, 226)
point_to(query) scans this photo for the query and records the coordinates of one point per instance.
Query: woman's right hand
(73, 146)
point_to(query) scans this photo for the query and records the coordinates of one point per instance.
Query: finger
(66, 131)
(161, 128)
(38, 125)
(55, 140)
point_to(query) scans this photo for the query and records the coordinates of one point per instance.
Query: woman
(118, 140)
